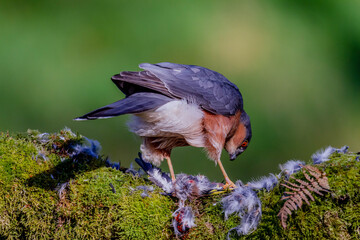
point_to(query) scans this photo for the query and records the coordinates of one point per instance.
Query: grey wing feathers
(211, 90)
(131, 82)
(135, 103)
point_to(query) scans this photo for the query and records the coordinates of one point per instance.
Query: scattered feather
(60, 188)
(344, 149)
(185, 187)
(161, 180)
(134, 172)
(68, 132)
(204, 185)
(89, 148)
(291, 167)
(115, 165)
(322, 155)
(241, 200)
(146, 190)
(42, 156)
(183, 220)
(144, 194)
(267, 183)
(245, 203)
(190, 187)
(44, 138)
(249, 223)
(156, 176)
(112, 188)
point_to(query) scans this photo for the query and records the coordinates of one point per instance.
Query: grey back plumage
(211, 90)
(207, 88)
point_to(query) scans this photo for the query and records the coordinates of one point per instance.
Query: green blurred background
(295, 62)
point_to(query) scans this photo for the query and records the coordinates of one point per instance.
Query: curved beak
(237, 153)
(232, 156)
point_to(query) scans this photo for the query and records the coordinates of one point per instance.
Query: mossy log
(93, 201)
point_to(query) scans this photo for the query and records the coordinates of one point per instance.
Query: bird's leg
(170, 168)
(229, 183)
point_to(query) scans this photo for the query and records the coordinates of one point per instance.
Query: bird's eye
(244, 144)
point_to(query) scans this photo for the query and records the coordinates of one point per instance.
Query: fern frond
(308, 194)
(291, 188)
(316, 182)
(315, 172)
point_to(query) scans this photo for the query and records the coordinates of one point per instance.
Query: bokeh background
(297, 64)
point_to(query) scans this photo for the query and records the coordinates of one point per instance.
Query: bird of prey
(177, 105)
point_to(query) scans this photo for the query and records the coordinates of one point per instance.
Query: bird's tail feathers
(136, 103)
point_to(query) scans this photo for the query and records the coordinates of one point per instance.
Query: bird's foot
(229, 185)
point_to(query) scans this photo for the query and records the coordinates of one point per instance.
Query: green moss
(333, 216)
(30, 208)
(32, 165)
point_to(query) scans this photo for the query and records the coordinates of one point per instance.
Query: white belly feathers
(174, 119)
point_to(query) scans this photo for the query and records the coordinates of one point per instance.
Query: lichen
(97, 202)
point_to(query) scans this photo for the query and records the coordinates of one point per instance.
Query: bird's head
(239, 141)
